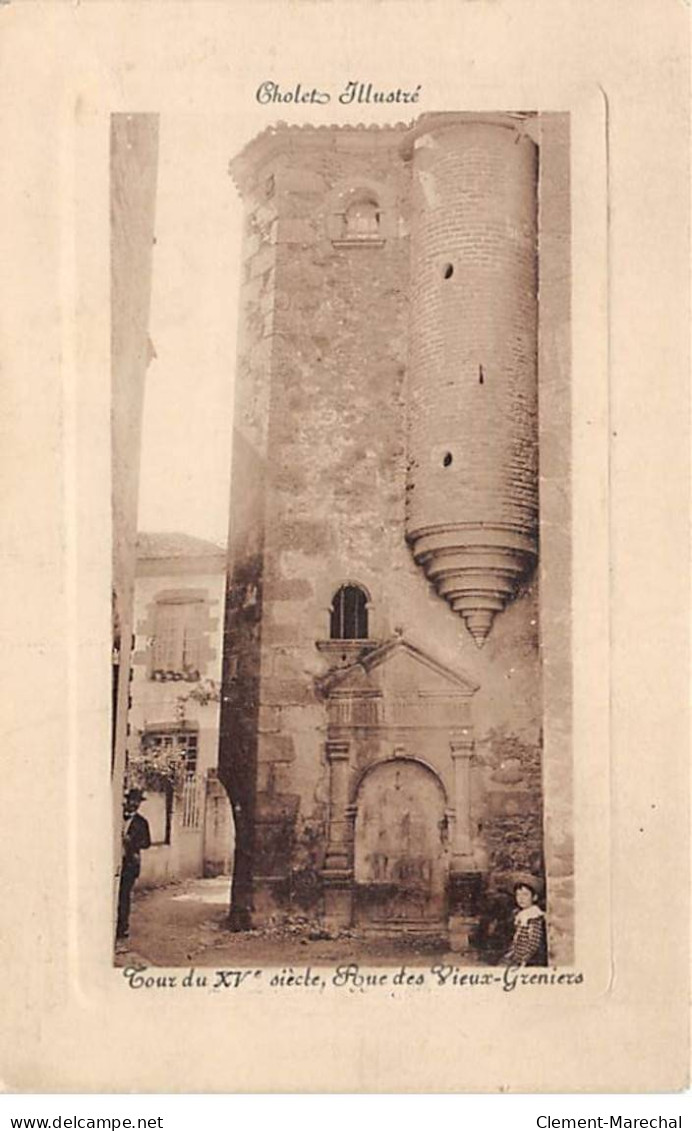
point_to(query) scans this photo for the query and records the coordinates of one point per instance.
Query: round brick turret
(472, 492)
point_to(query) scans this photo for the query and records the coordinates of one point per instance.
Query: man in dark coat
(136, 836)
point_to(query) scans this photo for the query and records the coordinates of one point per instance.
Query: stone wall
(337, 442)
(240, 704)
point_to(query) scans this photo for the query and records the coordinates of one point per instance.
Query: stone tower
(384, 768)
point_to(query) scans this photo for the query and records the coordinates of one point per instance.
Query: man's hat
(527, 880)
(135, 795)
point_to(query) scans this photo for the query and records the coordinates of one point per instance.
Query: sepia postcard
(347, 471)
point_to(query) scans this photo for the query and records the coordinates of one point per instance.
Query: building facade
(383, 721)
(173, 735)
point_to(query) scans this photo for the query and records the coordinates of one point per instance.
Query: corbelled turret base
(476, 568)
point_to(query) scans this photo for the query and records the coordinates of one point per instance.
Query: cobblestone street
(185, 924)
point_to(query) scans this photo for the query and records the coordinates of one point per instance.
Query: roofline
(275, 139)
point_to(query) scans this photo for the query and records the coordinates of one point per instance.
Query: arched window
(362, 219)
(349, 619)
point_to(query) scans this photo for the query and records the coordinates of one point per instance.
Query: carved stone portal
(400, 837)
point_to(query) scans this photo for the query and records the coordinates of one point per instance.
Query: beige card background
(70, 1022)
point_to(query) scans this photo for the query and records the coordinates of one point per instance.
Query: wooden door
(400, 857)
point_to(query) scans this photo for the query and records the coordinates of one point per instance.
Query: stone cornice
(435, 122)
(282, 137)
(333, 682)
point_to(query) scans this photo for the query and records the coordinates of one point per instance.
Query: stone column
(338, 855)
(462, 847)
(338, 866)
(465, 877)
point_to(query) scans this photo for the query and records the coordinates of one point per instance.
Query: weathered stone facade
(386, 444)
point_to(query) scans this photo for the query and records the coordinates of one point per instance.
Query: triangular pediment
(398, 666)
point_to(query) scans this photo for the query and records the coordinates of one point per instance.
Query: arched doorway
(400, 847)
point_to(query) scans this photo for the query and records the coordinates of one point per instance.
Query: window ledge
(161, 676)
(359, 241)
(344, 652)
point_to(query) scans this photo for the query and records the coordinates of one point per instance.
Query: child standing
(529, 945)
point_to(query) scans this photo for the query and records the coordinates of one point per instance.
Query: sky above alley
(188, 410)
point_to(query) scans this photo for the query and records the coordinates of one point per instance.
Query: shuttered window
(177, 642)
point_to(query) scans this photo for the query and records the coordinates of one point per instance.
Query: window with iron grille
(163, 745)
(349, 617)
(177, 641)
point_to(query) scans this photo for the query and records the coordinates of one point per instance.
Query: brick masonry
(473, 328)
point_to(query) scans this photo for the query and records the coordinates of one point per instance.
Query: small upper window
(362, 219)
(349, 618)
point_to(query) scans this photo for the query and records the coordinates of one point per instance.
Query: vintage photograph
(342, 563)
(344, 369)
